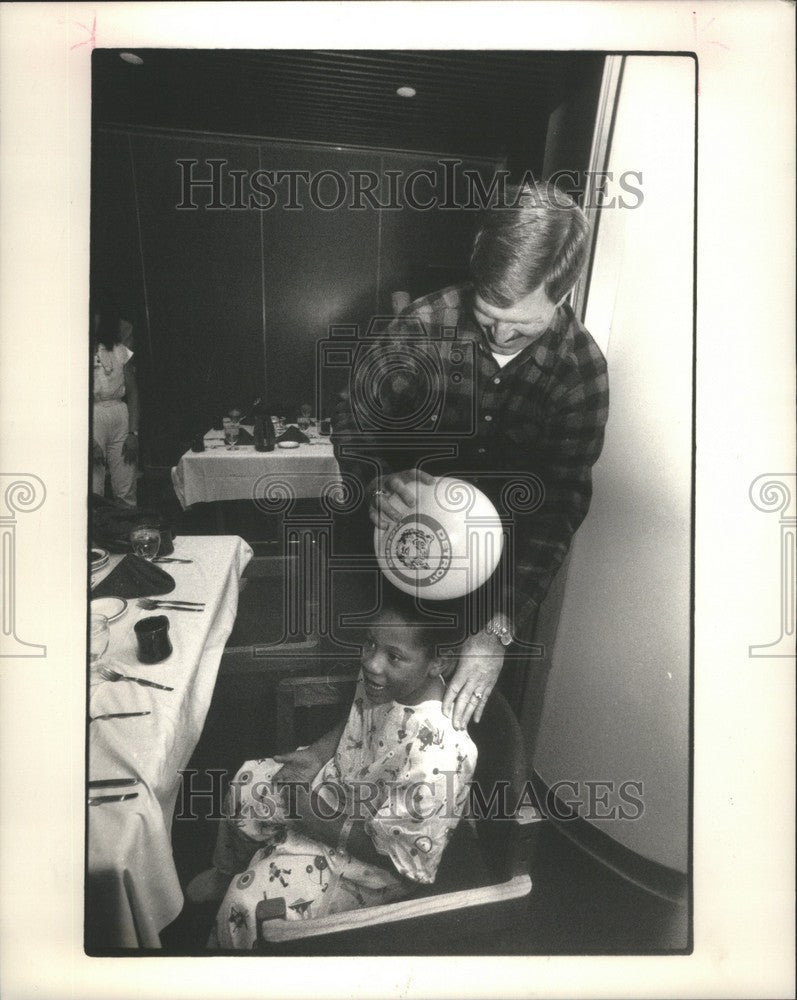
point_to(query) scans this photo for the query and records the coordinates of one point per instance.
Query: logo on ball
(418, 550)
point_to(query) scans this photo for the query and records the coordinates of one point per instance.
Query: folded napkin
(135, 577)
(294, 434)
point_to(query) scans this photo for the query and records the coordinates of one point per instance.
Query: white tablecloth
(246, 474)
(133, 887)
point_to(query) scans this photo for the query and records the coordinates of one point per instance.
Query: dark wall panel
(115, 254)
(424, 249)
(203, 274)
(321, 267)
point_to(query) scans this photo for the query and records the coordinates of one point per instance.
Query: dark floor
(577, 906)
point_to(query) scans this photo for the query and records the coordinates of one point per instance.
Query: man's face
(510, 330)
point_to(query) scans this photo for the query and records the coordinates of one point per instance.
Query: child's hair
(430, 632)
(105, 307)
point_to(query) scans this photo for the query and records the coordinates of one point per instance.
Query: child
(386, 790)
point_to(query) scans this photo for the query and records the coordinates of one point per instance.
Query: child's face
(395, 666)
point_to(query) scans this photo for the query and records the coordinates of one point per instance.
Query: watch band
(499, 628)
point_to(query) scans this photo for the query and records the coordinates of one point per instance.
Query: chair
(483, 880)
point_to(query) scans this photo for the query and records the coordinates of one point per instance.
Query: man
(531, 410)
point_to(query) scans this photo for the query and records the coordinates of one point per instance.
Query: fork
(114, 675)
(149, 605)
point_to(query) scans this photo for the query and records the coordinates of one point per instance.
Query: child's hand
(299, 765)
(298, 769)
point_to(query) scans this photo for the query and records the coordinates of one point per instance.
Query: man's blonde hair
(537, 237)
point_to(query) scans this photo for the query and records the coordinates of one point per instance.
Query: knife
(149, 684)
(164, 606)
(171, 559)
(97, 799)
(174, 600)
(112, 782)
(119, 715)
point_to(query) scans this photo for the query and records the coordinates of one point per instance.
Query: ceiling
(476, 103)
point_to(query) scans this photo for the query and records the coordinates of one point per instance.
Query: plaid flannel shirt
(537, 423)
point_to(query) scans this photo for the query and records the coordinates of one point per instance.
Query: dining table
(220, 473)
(132, 887)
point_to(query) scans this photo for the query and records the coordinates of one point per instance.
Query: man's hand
(130, 449)
(392, 497)
(97, 456)
(480, 660)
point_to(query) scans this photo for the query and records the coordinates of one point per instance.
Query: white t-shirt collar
(504, 359)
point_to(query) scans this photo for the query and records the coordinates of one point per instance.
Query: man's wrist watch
(500, 628)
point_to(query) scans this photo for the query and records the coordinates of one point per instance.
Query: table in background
(132, 883)
(245, 474)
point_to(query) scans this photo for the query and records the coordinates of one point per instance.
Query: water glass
(99, 637)
(232, 432)
(145, 540)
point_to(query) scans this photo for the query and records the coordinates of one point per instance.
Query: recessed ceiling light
(406, 91)
(132, 58)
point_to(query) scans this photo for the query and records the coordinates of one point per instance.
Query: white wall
(616, 706)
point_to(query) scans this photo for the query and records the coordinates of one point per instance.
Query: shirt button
(482, 451)
(497, 381)
(488, 418)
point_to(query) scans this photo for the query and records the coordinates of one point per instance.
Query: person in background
(115, 405)
(376, 800)
(537, 391)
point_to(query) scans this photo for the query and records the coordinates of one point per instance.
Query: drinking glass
(145, 540)
(99, 637)
(232, 431)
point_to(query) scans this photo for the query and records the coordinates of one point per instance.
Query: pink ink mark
(91, 41)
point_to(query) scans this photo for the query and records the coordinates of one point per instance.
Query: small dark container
(198, 443)
(325, 427)
(152, 636)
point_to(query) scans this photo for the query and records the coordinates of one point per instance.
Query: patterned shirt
(427, 392)
(422, 768)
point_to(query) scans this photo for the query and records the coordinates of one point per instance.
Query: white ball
(448, 544)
